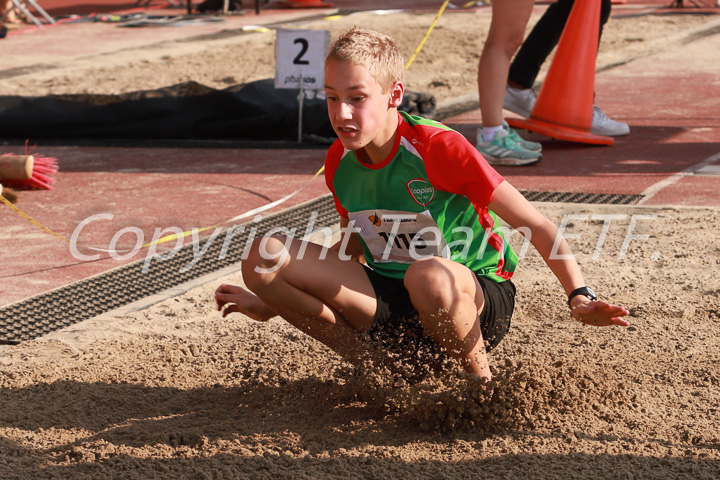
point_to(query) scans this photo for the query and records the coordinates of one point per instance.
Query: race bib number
(396, 236)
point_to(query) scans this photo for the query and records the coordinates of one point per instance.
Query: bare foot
(237, 299)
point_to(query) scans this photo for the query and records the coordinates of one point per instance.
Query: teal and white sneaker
(504, 150)
(526, 144)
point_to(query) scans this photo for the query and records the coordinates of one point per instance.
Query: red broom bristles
(44, 168)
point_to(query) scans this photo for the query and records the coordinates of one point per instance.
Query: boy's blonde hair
(373, 50)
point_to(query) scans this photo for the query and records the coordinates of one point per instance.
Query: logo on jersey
(421, 191)
(377, 221)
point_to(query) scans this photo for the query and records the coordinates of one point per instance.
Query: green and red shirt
(429, 197)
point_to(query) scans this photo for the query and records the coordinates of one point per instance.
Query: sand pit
(175, 391)
(446, 66)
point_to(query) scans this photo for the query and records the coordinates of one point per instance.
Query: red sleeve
(454, 165)
(332, 160)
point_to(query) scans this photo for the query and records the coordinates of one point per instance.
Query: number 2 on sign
(298, 60)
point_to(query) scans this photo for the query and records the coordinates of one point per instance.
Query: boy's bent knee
(423, 271)
(429, 281)
(265, 257)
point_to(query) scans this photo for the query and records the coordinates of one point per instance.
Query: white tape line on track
(656, 188)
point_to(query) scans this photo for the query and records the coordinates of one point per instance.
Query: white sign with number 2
(300, 53)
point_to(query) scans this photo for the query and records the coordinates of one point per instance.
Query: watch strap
(585, 291)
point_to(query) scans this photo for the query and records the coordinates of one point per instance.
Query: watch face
(585, 291)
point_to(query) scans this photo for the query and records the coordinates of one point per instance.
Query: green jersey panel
(433, 184)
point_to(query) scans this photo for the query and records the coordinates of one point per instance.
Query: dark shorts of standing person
(398, 331)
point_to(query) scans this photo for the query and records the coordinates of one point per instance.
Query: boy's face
(360, 113)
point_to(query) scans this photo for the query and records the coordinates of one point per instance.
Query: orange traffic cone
(306, 4)
(564, 106)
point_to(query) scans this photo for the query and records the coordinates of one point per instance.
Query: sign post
(299, 62)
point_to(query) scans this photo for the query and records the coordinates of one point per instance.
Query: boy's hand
(237, 299)
(600, 314)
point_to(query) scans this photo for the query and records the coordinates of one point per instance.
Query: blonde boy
(428, 268)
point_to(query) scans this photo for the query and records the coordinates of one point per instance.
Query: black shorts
(397, 329)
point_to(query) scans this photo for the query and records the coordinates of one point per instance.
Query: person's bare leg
(330, 299)
(507, 30)
(8, 14)
(448, 299)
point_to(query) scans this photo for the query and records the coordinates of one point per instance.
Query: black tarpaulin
(255, 111)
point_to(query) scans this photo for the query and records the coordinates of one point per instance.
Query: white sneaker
(519, 100)
(606, 126)
(522, 102)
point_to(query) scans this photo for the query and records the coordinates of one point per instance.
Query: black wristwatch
(587, 291)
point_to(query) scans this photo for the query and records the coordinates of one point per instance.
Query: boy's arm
(349, 242)
(517, 211)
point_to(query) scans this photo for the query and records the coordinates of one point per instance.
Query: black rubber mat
(44, 313)
(596, 198)
(65, 306)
